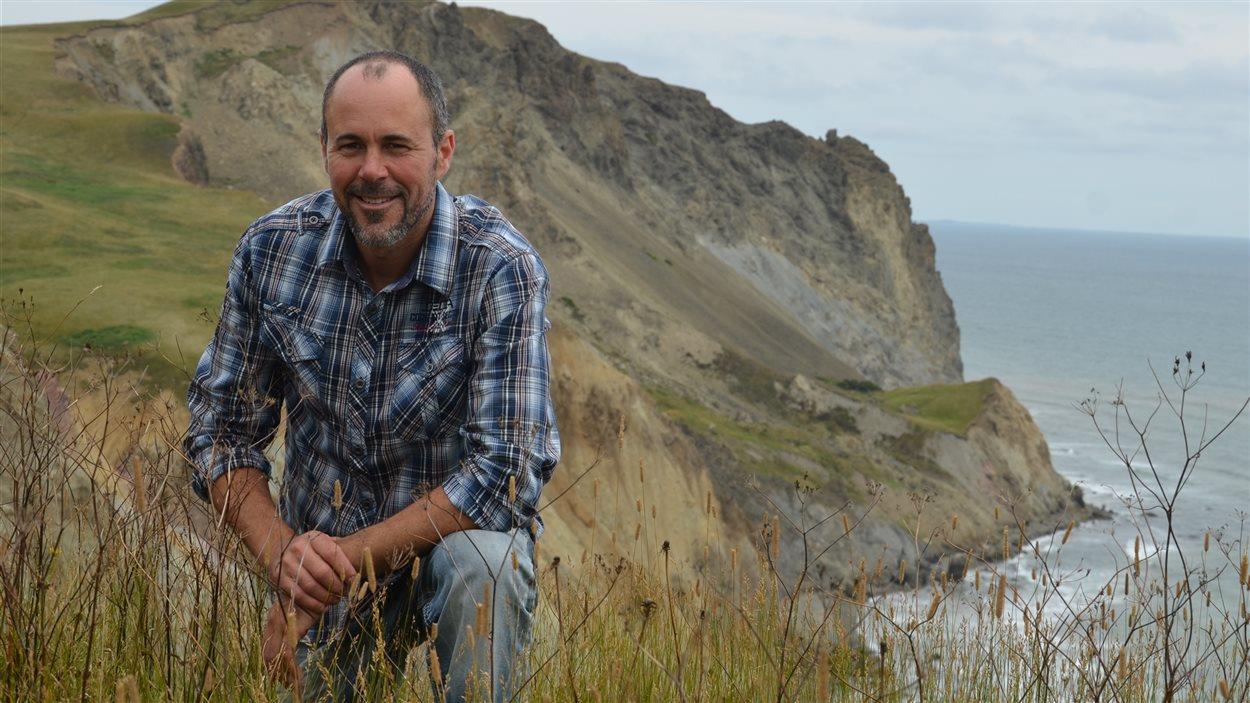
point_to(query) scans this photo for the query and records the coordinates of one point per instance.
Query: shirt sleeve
(510, 429)
(233, 398)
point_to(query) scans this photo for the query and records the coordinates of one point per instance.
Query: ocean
(1060, 316)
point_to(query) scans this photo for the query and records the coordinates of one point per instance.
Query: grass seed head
(370, 575)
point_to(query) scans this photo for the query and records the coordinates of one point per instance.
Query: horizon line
(1088, 230)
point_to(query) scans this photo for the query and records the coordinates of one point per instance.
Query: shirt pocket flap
(431, 357)
(291, 340)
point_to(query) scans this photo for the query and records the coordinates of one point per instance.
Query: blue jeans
(477, 649)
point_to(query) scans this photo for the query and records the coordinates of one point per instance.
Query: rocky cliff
(616, 177)
(713, 282)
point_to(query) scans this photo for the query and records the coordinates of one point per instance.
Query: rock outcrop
(713, 281)
(586, 156)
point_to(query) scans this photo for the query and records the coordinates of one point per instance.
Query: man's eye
(397, 147)
(349, 147)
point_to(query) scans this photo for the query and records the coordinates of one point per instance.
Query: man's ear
(446, 149)
(325, 154)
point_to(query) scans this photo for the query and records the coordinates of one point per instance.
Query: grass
(210, 16)
(114, 584)
(946, 408)
(111, 338)
(764, 449)
(88, 199)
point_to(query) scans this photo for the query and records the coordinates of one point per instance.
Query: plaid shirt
(441, 378)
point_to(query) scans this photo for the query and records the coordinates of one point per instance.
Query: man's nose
(374, 167)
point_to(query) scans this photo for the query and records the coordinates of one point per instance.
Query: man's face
(379, 154)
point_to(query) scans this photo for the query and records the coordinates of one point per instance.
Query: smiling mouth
(375, 201)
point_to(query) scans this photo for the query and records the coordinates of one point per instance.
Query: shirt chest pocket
(301, 353)
(429, 388)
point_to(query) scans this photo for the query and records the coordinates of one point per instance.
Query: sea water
(1062, 316)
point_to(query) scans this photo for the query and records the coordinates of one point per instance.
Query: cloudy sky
(1118, 116)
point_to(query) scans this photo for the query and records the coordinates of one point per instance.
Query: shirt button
(360, 383)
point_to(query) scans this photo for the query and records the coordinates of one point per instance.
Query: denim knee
(462, 567)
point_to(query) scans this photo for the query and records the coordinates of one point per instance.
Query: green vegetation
(112, 338)
(750, 379)
(908, 449)
(786, 450)
(214, 63)
(946, 408)
(857, 386)
(217, 14)
(89, 200)
(115, 586)
(575, 311)
(279, 58)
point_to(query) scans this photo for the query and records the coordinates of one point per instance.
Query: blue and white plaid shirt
(441, 378)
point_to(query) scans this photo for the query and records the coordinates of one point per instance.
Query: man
(404, 332)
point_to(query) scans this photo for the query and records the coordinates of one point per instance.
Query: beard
(368, 233)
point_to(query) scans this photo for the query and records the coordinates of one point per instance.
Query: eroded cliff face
(702, 270)
(616, 177)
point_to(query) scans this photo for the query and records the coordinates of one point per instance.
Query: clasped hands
(311, 573)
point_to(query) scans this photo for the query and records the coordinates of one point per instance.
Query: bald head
(376, 65)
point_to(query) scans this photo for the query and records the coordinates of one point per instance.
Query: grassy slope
(88, 198)
(946, 408)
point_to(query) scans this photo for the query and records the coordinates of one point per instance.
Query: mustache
(362, 190)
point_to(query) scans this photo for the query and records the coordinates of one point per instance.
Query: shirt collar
(434, 264)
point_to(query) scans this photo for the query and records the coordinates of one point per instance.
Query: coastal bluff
(749, 303)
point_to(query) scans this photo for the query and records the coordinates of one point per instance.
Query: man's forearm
(412, 531)
(241, 498)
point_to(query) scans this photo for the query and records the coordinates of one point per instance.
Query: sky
(1115, 116)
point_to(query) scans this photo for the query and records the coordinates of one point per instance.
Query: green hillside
(88, 199)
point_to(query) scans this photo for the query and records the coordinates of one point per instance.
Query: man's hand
(278, 644)
(313, 570)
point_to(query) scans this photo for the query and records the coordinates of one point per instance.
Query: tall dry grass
(115, 583)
